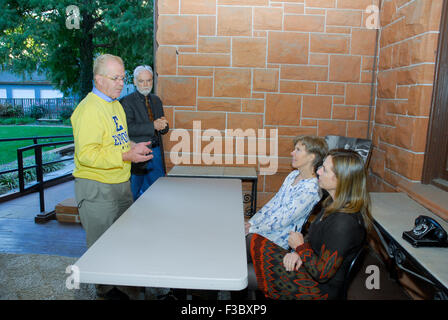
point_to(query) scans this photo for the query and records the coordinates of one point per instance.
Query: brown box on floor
(67, 211)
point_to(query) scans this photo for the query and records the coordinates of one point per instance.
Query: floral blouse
(288, 209)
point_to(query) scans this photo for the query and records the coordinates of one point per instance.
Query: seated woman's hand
(295, 239)
(247, 226)
(292, 261)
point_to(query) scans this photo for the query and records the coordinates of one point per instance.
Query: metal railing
(35, 139)
(39, 185)
(47, 108)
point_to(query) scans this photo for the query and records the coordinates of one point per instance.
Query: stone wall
(408, 47)
(302, 67)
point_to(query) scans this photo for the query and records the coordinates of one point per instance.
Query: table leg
(254, 196)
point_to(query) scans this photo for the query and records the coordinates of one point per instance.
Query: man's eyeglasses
(142, 81)
(116, 78)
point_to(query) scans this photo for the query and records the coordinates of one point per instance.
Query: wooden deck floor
(20, 234)
(24, 236)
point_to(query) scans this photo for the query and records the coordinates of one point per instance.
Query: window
(49, 94)
(3, 94)
(436, 156)
(23, 93)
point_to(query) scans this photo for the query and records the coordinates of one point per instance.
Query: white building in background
(32, 86)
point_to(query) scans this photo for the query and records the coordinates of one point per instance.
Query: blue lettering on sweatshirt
(121, 138)
(117, 125)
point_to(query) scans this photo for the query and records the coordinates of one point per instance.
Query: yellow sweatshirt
(101, 137)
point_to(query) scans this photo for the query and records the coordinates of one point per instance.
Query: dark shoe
(239, 295)
(204, 295)
(114, 294)
(174, 295)
(168, 297)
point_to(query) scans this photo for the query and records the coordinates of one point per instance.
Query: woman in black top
(318, 264)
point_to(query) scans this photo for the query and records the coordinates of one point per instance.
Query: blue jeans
(140, 183)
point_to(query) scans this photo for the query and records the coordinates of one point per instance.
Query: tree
(42, 35)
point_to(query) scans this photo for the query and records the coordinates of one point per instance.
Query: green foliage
(37, 111)
(66, 113)
(34, 36)
(8, 110)
(14, 120)
(24, 120)
(10, 181)
(9, 149)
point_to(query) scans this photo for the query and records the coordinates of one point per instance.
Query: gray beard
(144, 92)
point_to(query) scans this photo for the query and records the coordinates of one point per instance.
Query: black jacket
(140, 128)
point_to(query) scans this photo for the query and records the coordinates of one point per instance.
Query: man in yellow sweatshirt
(103, 152)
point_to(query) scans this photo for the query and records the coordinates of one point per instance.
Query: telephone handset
(427, 232)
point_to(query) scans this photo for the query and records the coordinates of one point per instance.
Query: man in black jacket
(146, 121)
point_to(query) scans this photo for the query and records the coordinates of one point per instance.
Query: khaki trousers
(100, 205)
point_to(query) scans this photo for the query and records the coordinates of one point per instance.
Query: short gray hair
(140, 69)
(315, 145)
(100, 62)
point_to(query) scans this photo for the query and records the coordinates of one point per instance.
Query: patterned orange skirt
(274, 280)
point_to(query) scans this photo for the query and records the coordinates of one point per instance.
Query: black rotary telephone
(426, 233)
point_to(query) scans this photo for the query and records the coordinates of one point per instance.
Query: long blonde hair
(351, 193)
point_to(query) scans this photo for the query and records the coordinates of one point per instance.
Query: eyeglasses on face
(115, 78)
(143, 81)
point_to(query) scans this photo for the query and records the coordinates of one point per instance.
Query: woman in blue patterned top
(289, 209)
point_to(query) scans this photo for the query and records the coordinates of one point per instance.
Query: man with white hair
(146, 122)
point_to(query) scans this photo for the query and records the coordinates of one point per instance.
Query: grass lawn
(9, 149)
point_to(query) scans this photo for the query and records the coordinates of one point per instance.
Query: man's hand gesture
(139, 152)
(160, 124)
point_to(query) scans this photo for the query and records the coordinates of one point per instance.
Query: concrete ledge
(429, 196)
(396, 212)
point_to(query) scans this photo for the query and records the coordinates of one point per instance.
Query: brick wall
(302, 67)
(408, 47)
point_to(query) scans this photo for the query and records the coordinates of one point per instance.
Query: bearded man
(146, 122)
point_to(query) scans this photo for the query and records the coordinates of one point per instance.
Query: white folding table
(242, 173)
(181, 233)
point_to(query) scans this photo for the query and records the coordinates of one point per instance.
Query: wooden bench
(49, 120)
